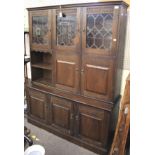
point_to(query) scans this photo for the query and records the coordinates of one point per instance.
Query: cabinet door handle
(76, 117)
(82, 70)
(71, 116)
(76, 69)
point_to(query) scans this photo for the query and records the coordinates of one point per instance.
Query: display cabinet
(74, 67)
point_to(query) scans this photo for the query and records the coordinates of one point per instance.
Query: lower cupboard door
(37, 105)
(92, 125)
(38, 109)
(61, 115)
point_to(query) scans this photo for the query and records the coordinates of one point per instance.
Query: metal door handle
(76, 117)
(71, 116)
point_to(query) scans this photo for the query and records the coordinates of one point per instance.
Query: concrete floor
(53, 144)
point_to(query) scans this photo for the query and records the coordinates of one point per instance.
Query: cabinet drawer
(37, 94)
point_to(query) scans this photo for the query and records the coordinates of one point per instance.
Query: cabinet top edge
(80, 5)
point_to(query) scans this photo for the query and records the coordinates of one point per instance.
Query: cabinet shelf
(44, 81)
(43, 51)
(42, 65)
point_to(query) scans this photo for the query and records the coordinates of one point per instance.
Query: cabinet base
(99, 150)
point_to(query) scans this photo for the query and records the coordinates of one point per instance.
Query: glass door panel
(40, 30)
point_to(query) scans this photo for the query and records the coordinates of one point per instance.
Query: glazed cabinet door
(99, 34)
(99, 42)
(61, 115)
(37, 105)
(92, 125)
(40, 30)
(66, 43)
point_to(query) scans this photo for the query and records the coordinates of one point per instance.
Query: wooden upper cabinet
(99, 45)
(99, 34)
(40, 30)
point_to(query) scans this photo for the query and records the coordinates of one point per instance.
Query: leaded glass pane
(40, 29)
(99, 31)
(66, 30)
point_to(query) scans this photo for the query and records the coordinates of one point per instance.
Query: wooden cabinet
(74, 67)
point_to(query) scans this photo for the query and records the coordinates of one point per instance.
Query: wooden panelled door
(40, 30)
(66, 43)
(61, 115)
(98, 48)
(92, 125)
(37, 105)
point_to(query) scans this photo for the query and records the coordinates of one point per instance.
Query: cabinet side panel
(121, 48)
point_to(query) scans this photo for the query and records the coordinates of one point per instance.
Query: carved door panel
(37, 105)
(61, 115)
(66, 73)
(97, 77)
(92, 125)
(99, 34)
(40, 30)
(66, 43)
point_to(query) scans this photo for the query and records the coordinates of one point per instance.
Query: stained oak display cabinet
(74, 68)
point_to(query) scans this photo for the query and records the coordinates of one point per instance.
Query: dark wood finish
(121, 2)
(94, 148)
(97, 77)
(91, 125)
(37, 107)
(41, 64)
(100, 10)
(74, 67)
(36, 46)
(67, 65)
(61, 115)
(122, 128)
